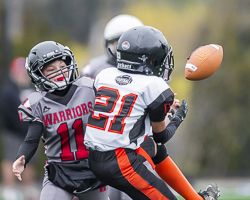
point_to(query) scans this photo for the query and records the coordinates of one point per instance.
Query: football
(203, 62)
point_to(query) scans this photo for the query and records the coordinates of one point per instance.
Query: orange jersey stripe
(135, 179)
(143, 153)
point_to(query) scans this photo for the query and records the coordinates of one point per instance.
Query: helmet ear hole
(156, 63)
(67, 60)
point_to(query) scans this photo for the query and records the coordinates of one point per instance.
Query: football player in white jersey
(112, 32)
(131, 101)
(57, 113)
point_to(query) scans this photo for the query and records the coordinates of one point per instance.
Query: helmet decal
(143, 59)
(125, 45)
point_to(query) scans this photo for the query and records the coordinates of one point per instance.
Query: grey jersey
(97, 64)
(64, 119)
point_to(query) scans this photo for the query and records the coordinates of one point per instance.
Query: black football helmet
(145, 50)
(44, 53)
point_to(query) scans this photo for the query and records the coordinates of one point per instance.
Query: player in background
(57, 113)
(15, 88)
(112, 32)
(130, 99)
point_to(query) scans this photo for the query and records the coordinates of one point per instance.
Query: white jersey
(64, 119)
(122, 108)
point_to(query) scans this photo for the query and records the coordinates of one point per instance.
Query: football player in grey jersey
(131, 102)
(58, 113)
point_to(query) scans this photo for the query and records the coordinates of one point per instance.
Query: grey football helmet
(44, 53)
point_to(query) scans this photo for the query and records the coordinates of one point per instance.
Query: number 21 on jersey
(107, 99)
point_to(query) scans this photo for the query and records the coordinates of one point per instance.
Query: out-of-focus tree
(214, 139)
(12, 28)
(180, 23)
(68, 22)
(219, 119)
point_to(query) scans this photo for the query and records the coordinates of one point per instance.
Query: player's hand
(18, 167)
(181, 112)
(176, 103)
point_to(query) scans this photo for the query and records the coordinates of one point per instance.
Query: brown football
(203, 62)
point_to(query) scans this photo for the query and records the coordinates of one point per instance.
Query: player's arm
(27, 148)
(162, 133)
(31, 141)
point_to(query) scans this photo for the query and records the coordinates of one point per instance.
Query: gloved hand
(181, 112)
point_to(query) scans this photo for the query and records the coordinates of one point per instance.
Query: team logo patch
(45, 109)
(125, 45)
(123, 80)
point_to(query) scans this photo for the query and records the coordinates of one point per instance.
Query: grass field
(228, 196)
(221, 198)
(224, 196)
(230, 188)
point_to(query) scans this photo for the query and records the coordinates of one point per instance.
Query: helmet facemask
(66, 73)
(111, 46)
(168, 64)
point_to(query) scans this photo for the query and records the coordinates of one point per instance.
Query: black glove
(181, 112)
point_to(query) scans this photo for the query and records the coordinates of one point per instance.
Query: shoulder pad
(26, 109)
(84, 82)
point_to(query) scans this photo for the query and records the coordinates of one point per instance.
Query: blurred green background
(213, 143)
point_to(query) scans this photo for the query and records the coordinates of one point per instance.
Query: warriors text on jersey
(64, 119)
(125, 104)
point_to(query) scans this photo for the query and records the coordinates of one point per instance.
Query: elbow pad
(168, 132)
(161, 137)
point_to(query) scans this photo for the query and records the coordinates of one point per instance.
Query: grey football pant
(52, 192)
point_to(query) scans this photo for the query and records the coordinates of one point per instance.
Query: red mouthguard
(60, 78)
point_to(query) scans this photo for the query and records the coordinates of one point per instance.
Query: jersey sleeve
(31, 142)
(159, 97)
(84, 82)
(29, 110)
